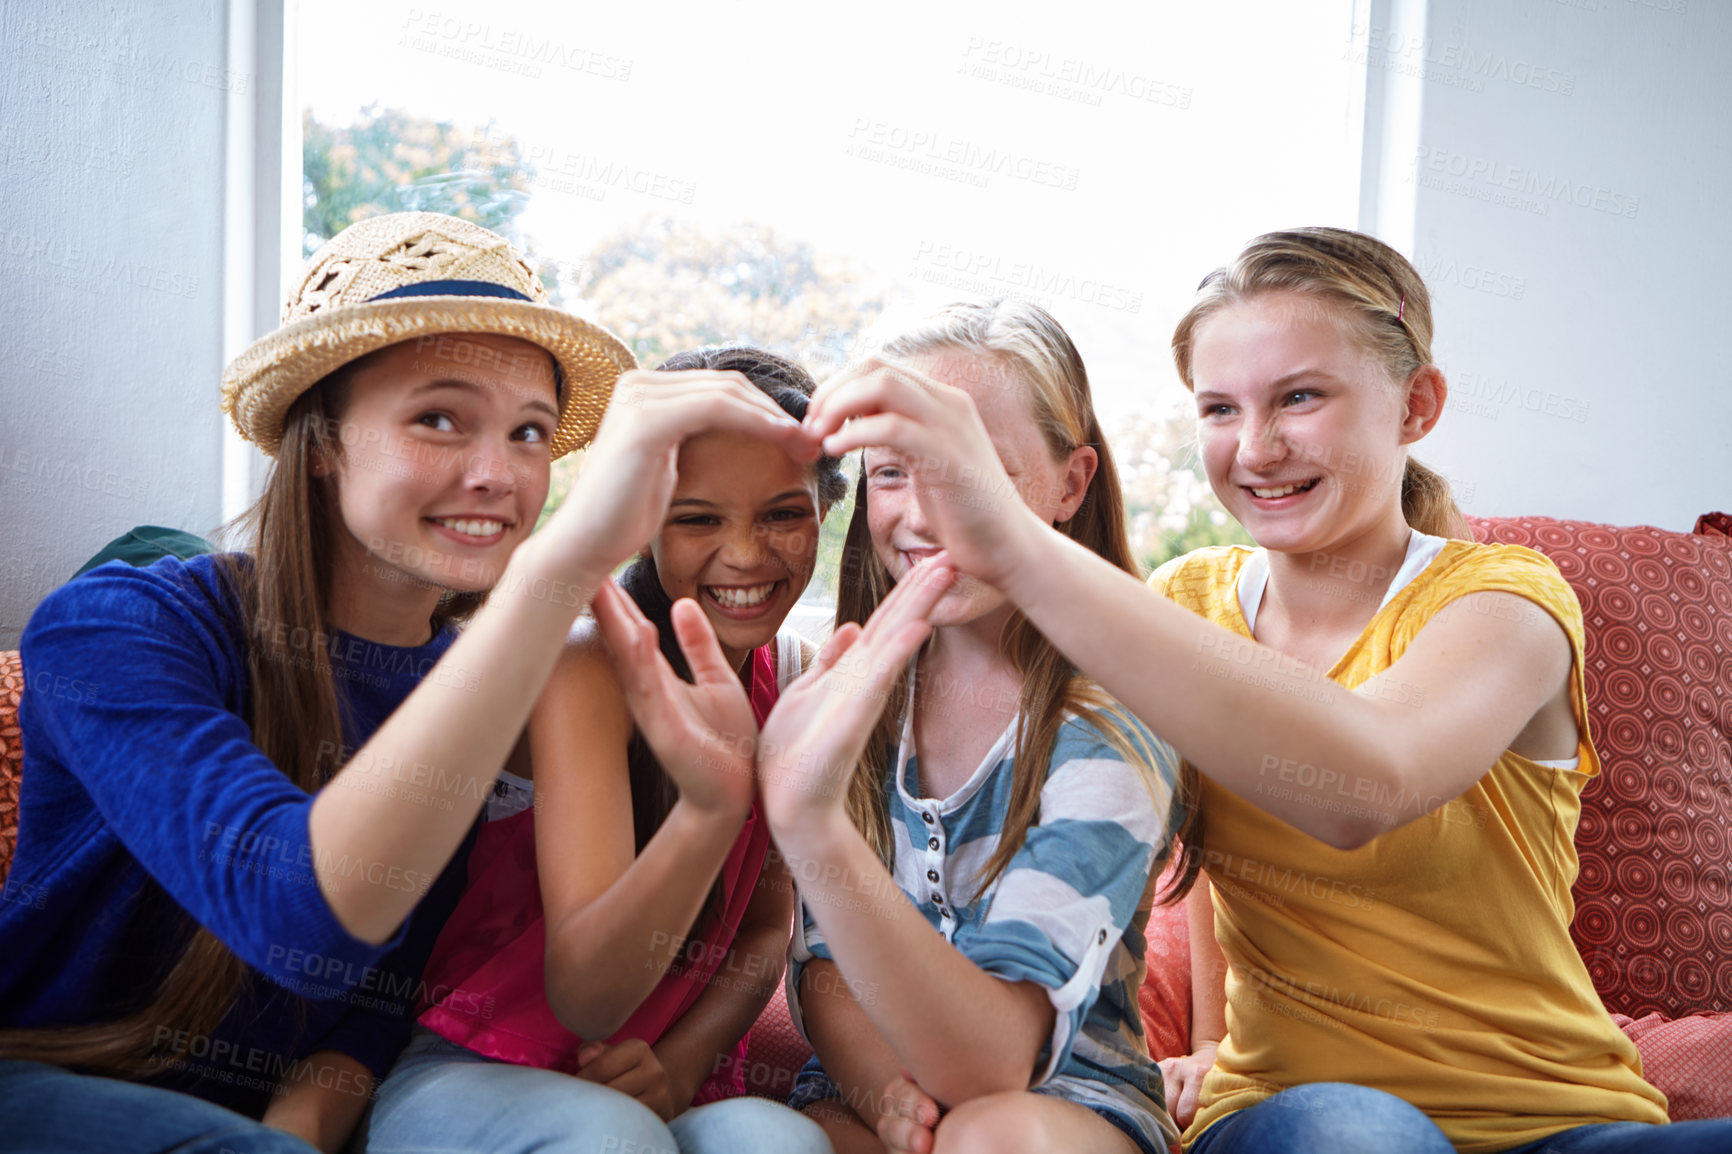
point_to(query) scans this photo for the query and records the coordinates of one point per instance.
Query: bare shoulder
(583, 687)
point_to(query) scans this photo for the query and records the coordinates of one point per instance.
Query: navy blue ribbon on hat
(452, 288)
(469, 288)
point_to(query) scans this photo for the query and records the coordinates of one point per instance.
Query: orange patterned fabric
(1165, 996)
(11, 753)
(1654, 896)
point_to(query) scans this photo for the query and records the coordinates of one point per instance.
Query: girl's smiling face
(1053, 488)
(741, 536)
(441, 469)
(1302, 431)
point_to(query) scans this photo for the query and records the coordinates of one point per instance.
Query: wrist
(682, 1081)
(1015, 558)
(696, 825)
(716, 812)
(815, 835)
(560, 572)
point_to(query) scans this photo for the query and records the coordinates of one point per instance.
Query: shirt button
(932, 843)
(1103, 938)
(932, 875)
(937, 899)
(927, 817)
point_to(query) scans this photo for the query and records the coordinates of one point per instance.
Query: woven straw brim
(262, 383)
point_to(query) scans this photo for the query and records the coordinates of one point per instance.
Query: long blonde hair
(1021, 342)
(1380, 296)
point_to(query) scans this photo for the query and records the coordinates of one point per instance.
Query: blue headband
(469, 288)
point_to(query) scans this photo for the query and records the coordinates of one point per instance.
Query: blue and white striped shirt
(1068, 911)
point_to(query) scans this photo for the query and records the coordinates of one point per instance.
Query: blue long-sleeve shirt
(146, 808)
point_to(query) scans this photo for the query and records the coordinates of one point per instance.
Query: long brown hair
(1368, 285)
(282, 579)
(1020, 342)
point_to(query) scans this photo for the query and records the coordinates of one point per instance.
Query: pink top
(485, 985)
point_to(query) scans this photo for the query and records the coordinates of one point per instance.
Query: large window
(789, 173)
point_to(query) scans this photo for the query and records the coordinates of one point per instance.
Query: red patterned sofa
(1654, 896)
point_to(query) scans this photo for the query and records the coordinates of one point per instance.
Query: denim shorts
(812, 1085)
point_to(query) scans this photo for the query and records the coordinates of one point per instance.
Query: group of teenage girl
(403, 828)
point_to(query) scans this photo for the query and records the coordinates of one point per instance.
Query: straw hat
(405, 275)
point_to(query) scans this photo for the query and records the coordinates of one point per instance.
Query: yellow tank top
(1435, 962)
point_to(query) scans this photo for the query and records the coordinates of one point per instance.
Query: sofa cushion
(1654, 896)
(11, 754)
(1689, 1060)
(774, 1050)
(1165, 995)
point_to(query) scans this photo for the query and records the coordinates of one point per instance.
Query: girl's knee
(756, 1124)
(1345, 1117)
(1000, 1124)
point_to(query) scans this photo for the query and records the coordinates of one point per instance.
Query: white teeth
(740, 598)
(1282, 491)
(472, 527)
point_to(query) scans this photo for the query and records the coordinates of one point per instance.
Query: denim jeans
(1337, 1118)
(444, 1099)
(47, 1108)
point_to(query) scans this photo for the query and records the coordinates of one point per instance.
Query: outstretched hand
(820, 724)
(703, 733)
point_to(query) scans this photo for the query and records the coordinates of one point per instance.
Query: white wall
(112, 248)
(1567, 199)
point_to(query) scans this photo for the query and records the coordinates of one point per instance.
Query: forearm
(320, 1099)
(1208, 968)
(706, 1034)
(959, 1031)
(604, 958)
(1176, 672)
(405, 799)
(855, 1055)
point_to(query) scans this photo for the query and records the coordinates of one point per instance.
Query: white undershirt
(1422, 550)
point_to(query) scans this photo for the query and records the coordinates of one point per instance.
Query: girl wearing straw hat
(250, 818)
(625, 922)
(1389, 725)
